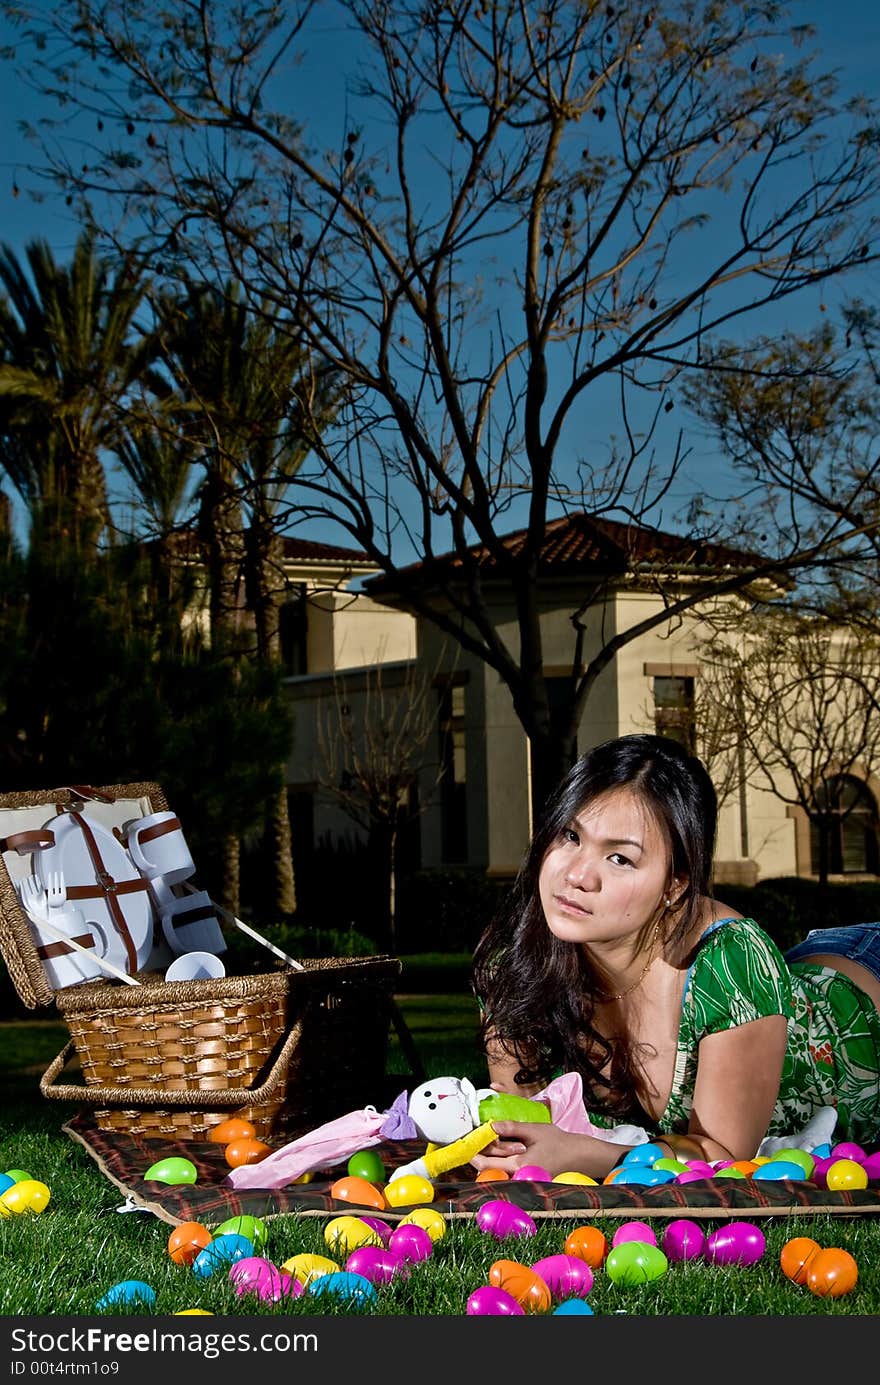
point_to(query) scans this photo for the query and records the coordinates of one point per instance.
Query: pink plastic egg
(701, 1166)
(379, 1264)
(741, 1243)
(534, 1173)
(412, 1243)
(490, 1300)
(501, 1219)
(691, 1176)
(566, 1276)
(258, 1276)
(683, 1240)
(634, 1231)
(821, 1166)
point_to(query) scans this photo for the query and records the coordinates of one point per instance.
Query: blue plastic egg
(779, 1168)
(571, 1306)
(128, 1291)
(220, 1253)
(643, 1154)
(343, 1284)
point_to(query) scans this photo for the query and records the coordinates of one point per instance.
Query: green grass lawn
(68, 1255)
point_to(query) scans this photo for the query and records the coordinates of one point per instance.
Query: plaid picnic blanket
(124, 1159)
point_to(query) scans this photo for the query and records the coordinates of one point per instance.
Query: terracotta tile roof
(583, 544)
(307, 549)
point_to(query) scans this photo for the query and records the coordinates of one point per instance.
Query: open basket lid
(23, 816)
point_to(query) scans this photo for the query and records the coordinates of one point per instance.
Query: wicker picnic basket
(286, 1048)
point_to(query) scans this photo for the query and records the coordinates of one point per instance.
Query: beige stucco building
(475, 802)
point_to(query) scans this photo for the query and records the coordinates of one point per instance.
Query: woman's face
(606, 876)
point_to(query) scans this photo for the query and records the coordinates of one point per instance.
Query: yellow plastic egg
(304, 1267)
(27, 1196)
(192, 1313)
(429, 1219)
(403, 1192)
(842, 1174)
(574, 1177)
(345, 1234)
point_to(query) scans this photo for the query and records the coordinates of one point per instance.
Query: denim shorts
(860, 942)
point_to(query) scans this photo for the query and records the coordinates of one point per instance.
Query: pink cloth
(328, 1144)
(337, 1140)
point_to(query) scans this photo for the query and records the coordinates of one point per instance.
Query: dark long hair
(537, 992)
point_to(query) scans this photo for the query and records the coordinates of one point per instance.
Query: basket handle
(198, 1098)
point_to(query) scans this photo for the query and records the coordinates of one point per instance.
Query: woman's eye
(569, 835)
(620, 860)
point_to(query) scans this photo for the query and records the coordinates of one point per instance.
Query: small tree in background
(374, 747)
(795, 702)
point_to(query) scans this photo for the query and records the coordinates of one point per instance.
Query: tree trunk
(231, 867)
(282, 855)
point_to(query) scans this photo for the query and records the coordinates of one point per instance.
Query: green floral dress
(833, 1052)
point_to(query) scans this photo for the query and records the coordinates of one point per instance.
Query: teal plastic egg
(125, 1293)
(220, 1253)
(171, 1170)
(345, 1284)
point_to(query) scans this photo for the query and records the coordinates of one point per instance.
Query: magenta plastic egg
(634, 1231)
(635, 1262)
(871, 1165)
(740, 1243)
(501, 1219)
(379, 1264)
(534, 1173)
(490, 1300)
(701, 1166)
(566, 1276)
(848, 1150)
(683, 1240)
(691, 1176)
(258, 1276)
(381, 1228)
(821, 1165)
(412, 1243)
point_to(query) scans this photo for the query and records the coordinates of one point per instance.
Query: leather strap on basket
(48, 950)
(40, 839)
(109, 888)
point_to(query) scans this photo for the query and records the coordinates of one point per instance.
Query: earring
(667, 901)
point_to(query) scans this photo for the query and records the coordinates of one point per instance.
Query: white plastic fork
(36, 900)
(56, 890)
(32, 893)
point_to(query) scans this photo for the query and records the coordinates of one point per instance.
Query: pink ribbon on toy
(328, 1144)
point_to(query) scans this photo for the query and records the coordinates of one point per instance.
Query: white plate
(70, 855)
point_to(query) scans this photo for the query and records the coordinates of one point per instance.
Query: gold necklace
(618, 995)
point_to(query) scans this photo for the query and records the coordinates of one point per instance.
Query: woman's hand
(558, 1151)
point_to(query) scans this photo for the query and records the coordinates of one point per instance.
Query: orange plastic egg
(232, 1129)
(187, 1240)
(521, 1283)
(355, 1189)
(795, 1256)
(246, 1150)
(588, 1243)
(744, 1166)
(614, 1174)
(492, 1176)
(831, 1273)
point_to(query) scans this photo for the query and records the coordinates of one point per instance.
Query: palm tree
(70, 350)
(237, 373)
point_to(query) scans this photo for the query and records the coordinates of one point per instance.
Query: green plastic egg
(252, 1227)
(366, 1164)
(172, 1170)
(507, 1106)
(635, 1262)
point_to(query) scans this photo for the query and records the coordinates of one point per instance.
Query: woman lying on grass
(614, 960)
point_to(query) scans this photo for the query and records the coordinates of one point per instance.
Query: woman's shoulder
(728, 931)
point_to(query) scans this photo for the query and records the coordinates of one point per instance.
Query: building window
(293, 628)
(453, 769)
(848, 814)
(674, 710)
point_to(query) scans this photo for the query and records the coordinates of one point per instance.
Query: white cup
(157, 846)
(195, 966)
(63, 965)
(190, 924)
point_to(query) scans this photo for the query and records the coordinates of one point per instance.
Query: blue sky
(849, 37)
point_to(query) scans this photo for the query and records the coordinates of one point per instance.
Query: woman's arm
(738, 1073)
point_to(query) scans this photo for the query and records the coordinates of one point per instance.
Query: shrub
(445, 910)
(787, 907)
